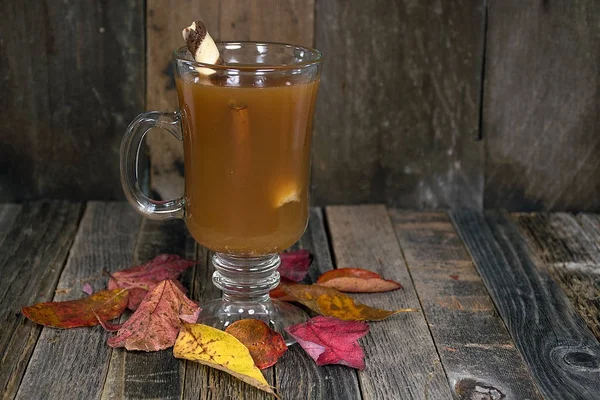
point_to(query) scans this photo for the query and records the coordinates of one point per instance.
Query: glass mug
(246, 128)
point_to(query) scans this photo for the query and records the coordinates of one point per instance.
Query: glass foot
(277, 314)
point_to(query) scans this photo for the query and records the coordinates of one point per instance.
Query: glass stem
(246, 279)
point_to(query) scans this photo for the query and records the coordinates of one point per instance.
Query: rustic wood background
(423, 104)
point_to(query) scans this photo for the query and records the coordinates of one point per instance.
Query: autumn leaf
(106, 304)
(87, 289)
(278, 293)
(220, 350)
(156, 322)
(333, 303)
(265, 345)
(331, 341)
(142, 278)
(294, 265)
(356, 280)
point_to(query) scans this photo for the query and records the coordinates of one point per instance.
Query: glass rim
(177, 55)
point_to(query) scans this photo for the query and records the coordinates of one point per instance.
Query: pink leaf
(156, 323)
(331, 341)
(88, 289)
(146, 276)
(294, 264)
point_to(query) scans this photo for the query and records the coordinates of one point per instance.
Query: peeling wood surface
(540, 111)
(499, 314)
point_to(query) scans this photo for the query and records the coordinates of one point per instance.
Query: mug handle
(130, 149)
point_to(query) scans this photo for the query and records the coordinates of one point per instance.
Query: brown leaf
(278, 293)
(156, 323)
(333, 303)
(142, 278)
(356, 280)
(265, 345)
(106, 304)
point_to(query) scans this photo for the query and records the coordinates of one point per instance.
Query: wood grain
(591, 223)
(478, 355)
(540, 115)
(297, 375)
(399, 103)
(71, 78)
(400, 354)
(562, 354)
(273, 20)
(158, 374)
(72, 363)
(572, 256)
(34, 245)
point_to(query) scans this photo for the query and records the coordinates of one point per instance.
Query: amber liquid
(247, 157)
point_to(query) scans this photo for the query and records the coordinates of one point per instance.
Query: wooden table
(509, 305)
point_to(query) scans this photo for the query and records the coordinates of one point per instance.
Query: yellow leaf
(220, 350)
(333, 303)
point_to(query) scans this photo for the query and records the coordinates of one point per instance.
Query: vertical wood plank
(158, 374)
(398, 108)
(540, 115)
(478, 355)
(272, 20)
(72, 363)
(34, 245)
(297, 375)
(562, 354)
(71, 78)
(572, 256)
(401, 358)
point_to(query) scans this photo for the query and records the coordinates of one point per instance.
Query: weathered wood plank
(562, 354)
(73, 363)
(401, 358)
(478, 355)
(591, 223)
(542, 140)
(297, 375)
(158, 374)
(398, 108)
(34, 245)
(71, 78)
(272, 20)
(572, 257)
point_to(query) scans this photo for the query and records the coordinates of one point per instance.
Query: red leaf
(356, 280)
(144, 277)
(265, 345)
(106, 305)
(294, 265)
(156, 323)
(332, 341)
(87, 289)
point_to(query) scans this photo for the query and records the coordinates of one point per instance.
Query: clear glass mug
(246, 128)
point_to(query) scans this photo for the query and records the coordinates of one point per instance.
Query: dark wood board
(540, 113)
(572, 256)
(288, 21)
(71, 78)
(72, 363)
(477, 352)
(297, 375)
(397, 116)
(401, 358)
(158, 374)
(33, 248)
(562, 354)
(591, 223)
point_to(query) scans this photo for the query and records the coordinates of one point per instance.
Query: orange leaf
(105, 305)
(332, 303)
(356, 280)
(265, 345)
(278, 293)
